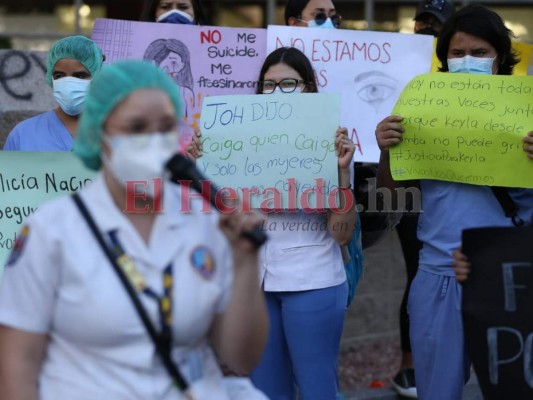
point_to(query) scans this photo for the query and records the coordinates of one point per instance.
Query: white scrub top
(62, 285)
(300, 254)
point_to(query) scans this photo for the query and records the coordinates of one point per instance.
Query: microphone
(183, 169)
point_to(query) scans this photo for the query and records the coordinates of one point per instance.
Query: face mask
(277, 90)
(140, 157)
(328, 24)
(176, 17)
(70, 93)
(471, 65)
(427, 31)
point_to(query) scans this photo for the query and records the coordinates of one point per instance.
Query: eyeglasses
(321, 17)
(288, 85)
(438, 4)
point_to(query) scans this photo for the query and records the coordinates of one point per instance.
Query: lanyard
(164, 300)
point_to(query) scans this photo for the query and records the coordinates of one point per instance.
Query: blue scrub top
(450, 207)
(44, 132)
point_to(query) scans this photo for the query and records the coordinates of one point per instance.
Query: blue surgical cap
(78, 48)
(109, 88)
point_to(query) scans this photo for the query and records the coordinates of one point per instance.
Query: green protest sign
(465, 128)
(27, 180)
(275, 151)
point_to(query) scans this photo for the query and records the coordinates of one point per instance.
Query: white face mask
(299, 89)
(471, 65)
(140, 157)
(70, 93)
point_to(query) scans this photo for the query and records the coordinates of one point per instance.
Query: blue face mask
(176, 17)
(70, 94)
(471, 65)
(328, 24)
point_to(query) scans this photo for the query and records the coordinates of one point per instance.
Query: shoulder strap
(509, 206)
(162, 350)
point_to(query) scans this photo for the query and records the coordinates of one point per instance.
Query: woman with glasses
(312, 14)
(303, 272)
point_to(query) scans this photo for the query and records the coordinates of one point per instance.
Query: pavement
(471, 392)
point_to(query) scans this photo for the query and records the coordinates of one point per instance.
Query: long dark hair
(149, 7)
(295, 59)
(479, 21)
(159, 49)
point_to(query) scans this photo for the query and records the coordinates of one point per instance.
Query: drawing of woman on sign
(174, 58)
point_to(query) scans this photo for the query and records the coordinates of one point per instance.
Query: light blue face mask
(471, 65)
(70, 94)
(328, 24)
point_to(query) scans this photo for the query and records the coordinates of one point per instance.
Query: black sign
(498, 310)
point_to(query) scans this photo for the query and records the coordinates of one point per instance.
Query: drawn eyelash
(375, 87)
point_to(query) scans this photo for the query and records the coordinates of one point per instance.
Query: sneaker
(404, 383)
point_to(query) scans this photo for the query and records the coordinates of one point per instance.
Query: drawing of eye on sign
(202, 60)
(368, 69)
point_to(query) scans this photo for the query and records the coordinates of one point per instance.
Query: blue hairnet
(78, 48)
(110, 87)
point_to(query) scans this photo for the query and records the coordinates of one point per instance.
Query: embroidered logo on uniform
(18, 246)
(203, 262)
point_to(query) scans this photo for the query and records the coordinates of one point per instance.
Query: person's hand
(461, 266)
(389, 132)
(194, 149)
(344, 147)
(528, 144)
(234, 223)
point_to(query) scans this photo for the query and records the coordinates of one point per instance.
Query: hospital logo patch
(203, 262)
(18, 246)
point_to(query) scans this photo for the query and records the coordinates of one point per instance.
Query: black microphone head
(179, 167)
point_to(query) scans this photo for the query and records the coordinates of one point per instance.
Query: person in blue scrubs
(72, 62)
(474, 40)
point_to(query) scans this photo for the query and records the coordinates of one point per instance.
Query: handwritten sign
(276, 151)
(203, 60)
(368, 69)
(465, 128)
(497, 311)
(28, 179)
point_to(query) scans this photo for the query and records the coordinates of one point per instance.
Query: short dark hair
(294, 8)
(479, 21)
(149, 7)
(295, 59)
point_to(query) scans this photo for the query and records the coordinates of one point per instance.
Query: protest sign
(368, 69)
(28, 179)
(498, 310)
(275, 151)
(202, 60)
(465, 128)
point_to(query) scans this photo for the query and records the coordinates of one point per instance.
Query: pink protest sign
(202, 60)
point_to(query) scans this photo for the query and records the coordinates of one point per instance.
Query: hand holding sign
(274, 150)
(465, 128)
